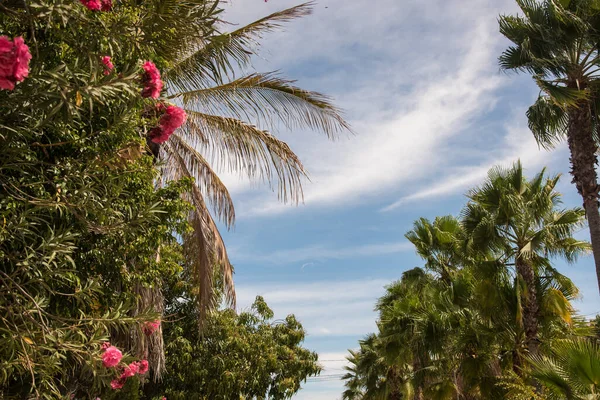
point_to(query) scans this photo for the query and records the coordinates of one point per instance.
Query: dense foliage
(488, 314)
(247, 355)
(81, 215)
(102, 196)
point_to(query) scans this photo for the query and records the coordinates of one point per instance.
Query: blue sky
(420, 84)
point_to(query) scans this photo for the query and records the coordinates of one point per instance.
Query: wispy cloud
(321, 253)
(327, 308)
(519, 144)
(407, 95)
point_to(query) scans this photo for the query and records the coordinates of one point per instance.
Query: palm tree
(227, 127)
(370, 377)
(518, 221)
(354, 380)
(412, 330)
(438, 243)
(558, 43)
(571, 371)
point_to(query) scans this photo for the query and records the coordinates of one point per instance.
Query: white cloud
(329, 308)
(328, 385)
(410, 84)
(320, 253)
(519, 144)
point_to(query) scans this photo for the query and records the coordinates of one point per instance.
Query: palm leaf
(547, 121)
(235, 145)
(560, 95)
(178, 150)
(220, 54)
(204, 249)
(266, 98)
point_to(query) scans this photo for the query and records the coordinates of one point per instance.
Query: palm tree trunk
(583, 149)
(418, 393)
(395, 384)
(417, 366)
(531, 307)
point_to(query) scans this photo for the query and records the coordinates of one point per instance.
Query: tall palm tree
(228, 126)
(557, 41)
(519, 222)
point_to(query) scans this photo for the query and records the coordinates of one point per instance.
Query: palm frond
(243, 148)
(204, 250)
(178, 150)
(560, 95)
(547, 121)
(220, 54)
(267, 99)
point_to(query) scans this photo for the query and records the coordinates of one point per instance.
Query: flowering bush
(143, 367)
(93, 5)
(170, 121)
(151, 80)
(117, 384)
(130, 370)
(14, 61)
(74, 129)
(111, 358)
(106, 5)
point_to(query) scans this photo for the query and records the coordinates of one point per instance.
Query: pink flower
(93, 5)
(22, 57)
(143, 367)
(105, 345)
(117, 383)
(108, 65)
(172, 119)
(106, 5)
(111, 357)
(151, 327)
(14, 61)
(151, 80)
(130, 370)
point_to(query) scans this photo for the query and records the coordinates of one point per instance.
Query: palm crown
(559, 47)
(227, 126)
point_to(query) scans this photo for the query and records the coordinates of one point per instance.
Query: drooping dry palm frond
(241, 147)
(178, 152)
(220, 54)
(150, 347)
(204, 247)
